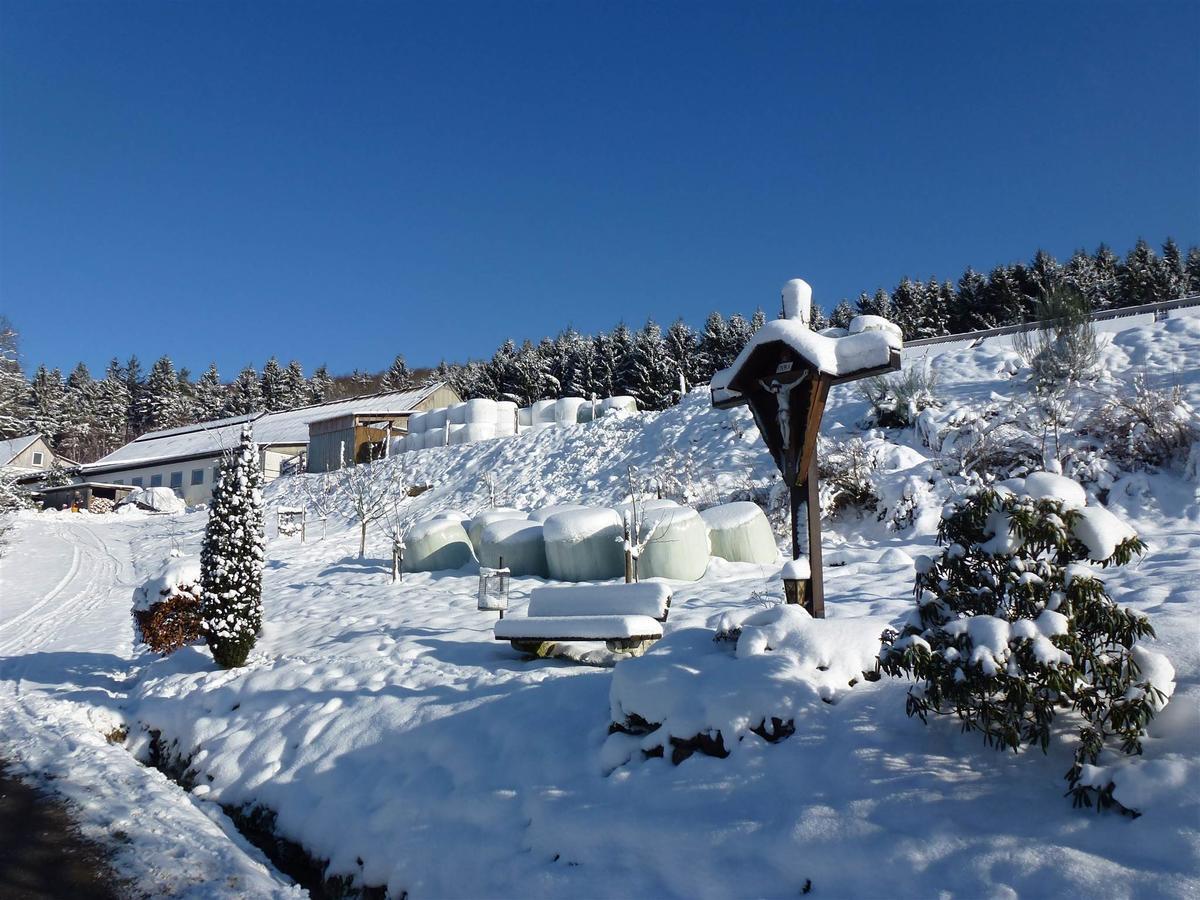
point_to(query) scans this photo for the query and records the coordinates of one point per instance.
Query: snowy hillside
(379, 726)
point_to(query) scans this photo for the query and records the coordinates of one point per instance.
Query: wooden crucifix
(784, 375)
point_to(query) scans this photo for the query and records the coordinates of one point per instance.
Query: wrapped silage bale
(617, 404)
(397, 445)
(456, 433)
(740, 532)
(675, 544)
(478, 411)
(518, 542)
(487, 517)
(416, 441)
(542, 412)
(589, 412)
(456, 414)
(436, 418)
(456, 514)
(584, 545)
(566, 410)
(541, 515)
(478, 431)
(416, 422)
(506, 418)
(435, 437)
(525, 416)
(434, 544)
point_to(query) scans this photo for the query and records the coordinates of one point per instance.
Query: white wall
(191, 493)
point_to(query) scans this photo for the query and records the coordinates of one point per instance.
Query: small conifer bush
(231, 557)
(1012, 628)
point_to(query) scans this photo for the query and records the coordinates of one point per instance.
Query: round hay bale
(519, 542)
(456, 433)
(541, 515)
(566, 410)
(740, 532)
(416, 422)
(478, 431)
(435, 544)
(479, 411)
(542, 412)
(617, 404)
(435, 437)
(584, 545)
(436, 418)
(676, 544)
(487, 517)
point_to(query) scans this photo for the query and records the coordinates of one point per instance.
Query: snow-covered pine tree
(842, 314)
(78, 433)
(759, 319)
(714, 346)
(1142, 276)
(877, 304)
(969, 313)
(682, 349)
(164, 406)
(295, 386)
(907, 301)
(320, 385)
(208, 396)
(1192, 271)
(111, 409)
(245, 394)
(621, 348)
(274, 389)
(1108, 281)
(397, 377)
(1011, 627)
(231, 557)
(14, 390)
(602, 380)
(654, 378)
(135, 387)
(1174, 282)
(47, 413)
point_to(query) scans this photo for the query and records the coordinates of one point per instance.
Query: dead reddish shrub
(172, 622)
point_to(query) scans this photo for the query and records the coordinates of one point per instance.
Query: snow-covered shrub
(993, 443)
(1064, 350)
(13, 496)
(1145, 427)
(1012, 626)
(167, 608)
(845, 471)
(897, 400)
(231, 557)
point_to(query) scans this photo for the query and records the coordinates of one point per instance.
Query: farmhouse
(187, 459)
(26, 456)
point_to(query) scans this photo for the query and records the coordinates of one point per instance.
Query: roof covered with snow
(288, 427)
(13, 446)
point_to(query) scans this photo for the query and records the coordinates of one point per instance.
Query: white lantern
(493, 589)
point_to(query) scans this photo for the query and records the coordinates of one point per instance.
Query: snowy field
(392, 736)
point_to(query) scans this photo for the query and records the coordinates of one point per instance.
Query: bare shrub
(1145, 427)
(845, 470)
(896, 400)
(1064, 349)
(173, 622)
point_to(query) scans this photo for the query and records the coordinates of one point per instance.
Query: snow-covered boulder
(483, 519)
(518, 542)
(674, 544)
(155, 499)
(740, 532)
(585, 545)
(435, 544)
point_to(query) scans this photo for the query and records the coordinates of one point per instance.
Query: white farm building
(186, 459)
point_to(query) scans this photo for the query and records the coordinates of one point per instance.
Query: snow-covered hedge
(1012, 626)
(166, 609)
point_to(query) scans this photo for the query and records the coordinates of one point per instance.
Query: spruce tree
(111, 409)
(81, 395)
(231, 557)
(1173, 283)
(274, 388)
(320, 386)
(1141, 278)
(842, 314)
(1192, 271)
(653, 376)
(1108, 287)
(135, 387)
(682, 349)
(14, 389)
(295, 386)
(397, 376)
(245, 394)
(47, 413)
(209, 396)
(163, 406)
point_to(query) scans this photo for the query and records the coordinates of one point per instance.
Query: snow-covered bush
(231, 557)
(1145, 427)
(13, 496)
(1012, 626)
(993, 443)
(167, 608)
(896, 400)
(1064, 350)
(845, 470)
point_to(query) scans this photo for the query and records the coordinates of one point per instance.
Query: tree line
(84, 417)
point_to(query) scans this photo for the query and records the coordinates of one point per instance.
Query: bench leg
(536, 648)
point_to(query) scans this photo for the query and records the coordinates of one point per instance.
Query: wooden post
(814, 590)
(303, 520)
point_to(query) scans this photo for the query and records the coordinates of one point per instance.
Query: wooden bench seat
(627, 617)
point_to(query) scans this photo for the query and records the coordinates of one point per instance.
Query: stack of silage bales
(485, 518)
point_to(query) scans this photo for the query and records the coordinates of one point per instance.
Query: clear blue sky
(340, 182)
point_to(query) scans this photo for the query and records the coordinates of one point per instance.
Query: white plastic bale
(436, 418)
(541, 515)
(506, 428)
(479, 411)
(542, 412)
(487, 517)
(397, 445)
(740, 532)
(617, 404)
(416, 441)
(478, 431)
(566, 410)
(645, 506)
(584, 545)
(506, 415)
(525, 416)
(518, 543)
(456, 514)
(675, 544)
(416, 422)
(457, 414)
(435, 544)
(587, 412)
(456, 433)
(435, 437)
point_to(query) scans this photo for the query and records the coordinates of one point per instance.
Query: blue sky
(341, 182)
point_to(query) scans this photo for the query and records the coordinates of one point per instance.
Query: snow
(160, 499)
(578, 628)
(796, 569)
(176, 572)
(1053, 486)
(1100, 531)
(740, 532)
(797, 300)
(384, 723)
(643, 599)
(863, 324)
(584, 545)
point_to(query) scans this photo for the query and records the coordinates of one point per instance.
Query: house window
(176, 479)
(136, 481)
(197, 476)
(38, 457)
(156, 480)
(216, 474)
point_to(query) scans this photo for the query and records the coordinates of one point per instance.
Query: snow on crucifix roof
(289, 427)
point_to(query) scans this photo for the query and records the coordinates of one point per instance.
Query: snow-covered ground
(395, 738)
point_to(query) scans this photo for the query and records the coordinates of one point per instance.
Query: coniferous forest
(85, 415)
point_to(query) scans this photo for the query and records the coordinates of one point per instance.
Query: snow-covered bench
(627, 617)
